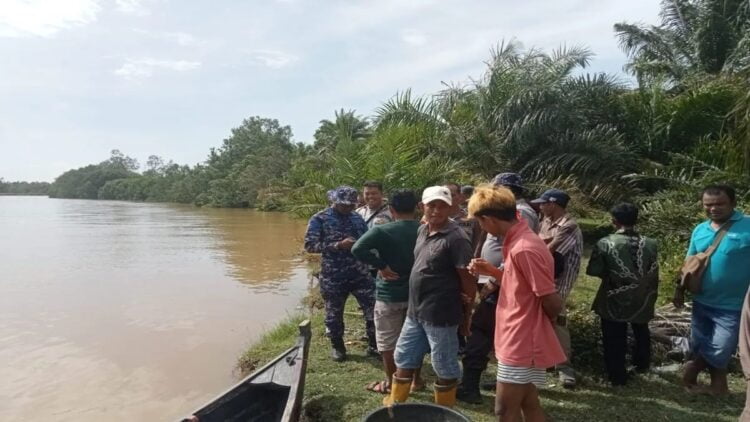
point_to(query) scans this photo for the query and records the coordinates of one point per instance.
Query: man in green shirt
(628, 265)
(390, 249)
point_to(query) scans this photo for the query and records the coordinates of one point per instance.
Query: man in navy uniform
(332, 233)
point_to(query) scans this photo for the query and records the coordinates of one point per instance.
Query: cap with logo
(440, 193)
(553, 195)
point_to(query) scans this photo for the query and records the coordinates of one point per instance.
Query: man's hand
(487, 289)
(346, 244)
(388, 274)
(679, 297)
(480, 266)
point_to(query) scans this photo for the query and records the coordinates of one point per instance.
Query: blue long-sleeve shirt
(324, 230)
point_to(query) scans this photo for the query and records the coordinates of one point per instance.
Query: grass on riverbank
(335, 392)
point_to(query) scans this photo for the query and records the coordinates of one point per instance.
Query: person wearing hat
(560, 231)
(332, 233)
(480, 343)
(438, 282)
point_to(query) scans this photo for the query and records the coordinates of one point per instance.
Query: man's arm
(314, 241)
(597, 263)
(552, 305)
(362, 250)
(560, 236)
(468, 290)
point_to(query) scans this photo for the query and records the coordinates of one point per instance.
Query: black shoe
(468, 391)
(338, 355)
(468, 396)
(338, 350)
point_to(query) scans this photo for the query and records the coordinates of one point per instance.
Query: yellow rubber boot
(400, 388)
(445, 395)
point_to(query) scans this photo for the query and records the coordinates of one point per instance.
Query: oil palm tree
(529, 112)
(694, 36)
(346, 127)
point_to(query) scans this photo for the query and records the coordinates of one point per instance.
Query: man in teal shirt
(716, 309)
(390, 249)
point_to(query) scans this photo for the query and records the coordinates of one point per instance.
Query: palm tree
(345, 127)
(695, 36)
(529, 112)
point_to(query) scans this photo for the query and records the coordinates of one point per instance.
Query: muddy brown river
(120, 311)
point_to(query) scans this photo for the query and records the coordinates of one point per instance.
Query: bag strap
(375, 213)
(719, 236)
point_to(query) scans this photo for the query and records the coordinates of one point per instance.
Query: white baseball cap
(437, 192)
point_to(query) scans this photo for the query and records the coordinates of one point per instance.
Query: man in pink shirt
(525, 340)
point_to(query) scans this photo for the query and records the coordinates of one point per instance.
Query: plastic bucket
(415, 412)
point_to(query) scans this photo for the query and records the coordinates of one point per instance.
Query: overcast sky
(79, 78)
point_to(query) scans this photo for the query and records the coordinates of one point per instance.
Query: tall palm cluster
(540, 114)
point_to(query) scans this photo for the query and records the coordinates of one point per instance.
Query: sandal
(381, 387)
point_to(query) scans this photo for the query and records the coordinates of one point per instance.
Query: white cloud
(273, 58)
(181, 38)
(44, 18)
(414, 37)
(145, 67)
(132, 7)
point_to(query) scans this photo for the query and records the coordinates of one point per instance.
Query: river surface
(120, 311)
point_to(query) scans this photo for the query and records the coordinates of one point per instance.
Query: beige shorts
(389, 317)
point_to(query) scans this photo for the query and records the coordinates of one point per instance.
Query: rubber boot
(445, 395)
(468, 391)
(400, 388)
(338, 349)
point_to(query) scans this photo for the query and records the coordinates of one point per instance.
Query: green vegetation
(335, 391)
(685, 124)
(534, 112)
(23, 188)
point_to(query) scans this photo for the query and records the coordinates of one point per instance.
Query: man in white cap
(436, 310)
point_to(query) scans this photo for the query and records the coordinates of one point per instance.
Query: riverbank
(335, 392)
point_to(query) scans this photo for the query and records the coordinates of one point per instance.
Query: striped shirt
(564, 237)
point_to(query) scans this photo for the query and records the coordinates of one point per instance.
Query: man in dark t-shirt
(438, 279)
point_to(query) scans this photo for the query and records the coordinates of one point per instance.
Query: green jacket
(628, 265)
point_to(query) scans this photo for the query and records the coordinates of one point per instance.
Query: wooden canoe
(273, 393)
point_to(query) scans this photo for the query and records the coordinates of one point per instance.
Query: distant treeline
(23, 188)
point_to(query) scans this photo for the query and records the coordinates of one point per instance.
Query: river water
(114, 311)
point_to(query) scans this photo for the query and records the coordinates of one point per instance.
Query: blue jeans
(714, 334)
(418, 338)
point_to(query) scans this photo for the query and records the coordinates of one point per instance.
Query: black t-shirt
(434, 284)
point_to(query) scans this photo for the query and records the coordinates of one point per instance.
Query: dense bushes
(24, 188)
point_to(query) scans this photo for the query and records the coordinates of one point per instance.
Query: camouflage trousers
(335, 294)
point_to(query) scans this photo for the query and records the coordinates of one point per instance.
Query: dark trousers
(482, 339)
(615, 339)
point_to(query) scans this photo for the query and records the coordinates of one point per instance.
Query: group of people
(459, 272)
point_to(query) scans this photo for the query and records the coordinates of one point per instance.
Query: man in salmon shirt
(525, 340)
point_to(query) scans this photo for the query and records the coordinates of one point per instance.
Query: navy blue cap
(553, 195)
(508, 179)
(344, 195)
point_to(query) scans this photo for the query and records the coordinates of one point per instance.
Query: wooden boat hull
(272, 393)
